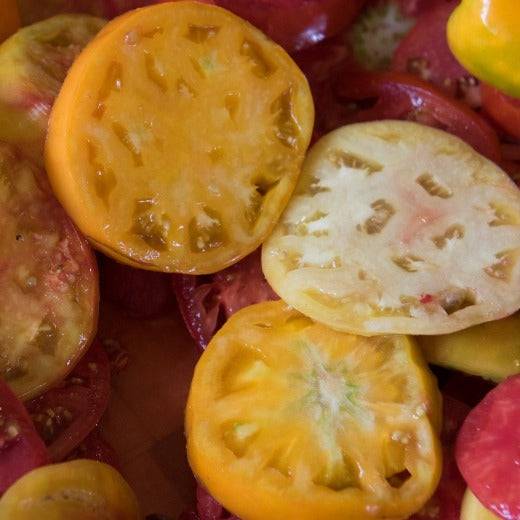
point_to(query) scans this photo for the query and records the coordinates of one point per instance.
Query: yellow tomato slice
(178, 137)
(80, 489)
(490, 350)
(9, 18)
(472, 509)
(287, 419)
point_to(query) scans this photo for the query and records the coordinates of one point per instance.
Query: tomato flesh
(21, 449)
(503, 109)
(488, 450)
(66, 414)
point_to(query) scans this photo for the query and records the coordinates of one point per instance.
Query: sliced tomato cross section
(180, 161)
(66, 414)
(48, 281)
(289, 419)
(21, 448)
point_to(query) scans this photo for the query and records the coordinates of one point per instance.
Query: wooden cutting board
(144, 422)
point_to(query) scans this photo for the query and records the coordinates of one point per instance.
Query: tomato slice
(198, 196)
(503, 109)
(143, 294)
(66, 414)
(295, 24)
(48, 281)
(21, 448)
(79, 489)
(289, 419)
(488, 450)
(371, 97)
(33, 65)
(382, 209)
(206, 303)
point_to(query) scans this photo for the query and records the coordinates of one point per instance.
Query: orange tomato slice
(80, 489)
(289, 419)
(178, 138)
(9, 18)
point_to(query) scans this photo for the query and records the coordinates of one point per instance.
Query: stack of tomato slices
(423, 83)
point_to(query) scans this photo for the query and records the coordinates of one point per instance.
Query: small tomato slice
(33, 65)
(368, 242)
(197, 196)
(48, 281)
(289, 419)
(207, 302)
(21, 449)
(488, 450)
(393, 95)
(296, 24)
(503, 109)
(9, 19)
(490, 350)
(472, 509)
(66, 414)
(79, 489)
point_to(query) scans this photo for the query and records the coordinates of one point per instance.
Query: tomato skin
(296, 24)
(503, 109)
(206, 302)
(22, 451)
(487, 450)
(75, 407)
(403, 96)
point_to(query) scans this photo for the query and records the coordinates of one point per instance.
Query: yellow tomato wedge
(472, 509)
(490, 350)
(9, 18)
(178, 138)
(290, 420)
(79, 490)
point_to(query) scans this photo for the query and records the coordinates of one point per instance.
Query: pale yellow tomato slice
(288, 419)
(490, 350)
(9, 18)
(79, 490)
(472, 509)
(33, 65)
(178, 138)
(397, 227)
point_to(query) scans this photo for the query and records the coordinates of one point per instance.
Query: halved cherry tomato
(289, 419)
(396, 95)
(488, 450)
(9, 18)
(21, 449)
(48, 281)
(143, 294)
(197, 196)
(296, 24)
(207, 302)
(425, 53)
(33, 65)
(66, 414)
(79, 489)
(503, 109)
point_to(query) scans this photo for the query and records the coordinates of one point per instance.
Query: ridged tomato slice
(289, 419)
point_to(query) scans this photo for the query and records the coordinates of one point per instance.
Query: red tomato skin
(76, 405)
(206, 302)
(404, 96)
(488, 450)
(209, 509)
(503, 109)
(22, 452)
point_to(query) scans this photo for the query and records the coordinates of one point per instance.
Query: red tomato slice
(66, 414)
(209, 509)
(446, 502)
(206, 302)
(21, 448)
(417, 7)
(488, 450)
(296, 24)
(143, 294)
(503, 109)
(395, 95)
(95, 447)
(425, 53)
